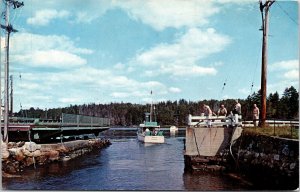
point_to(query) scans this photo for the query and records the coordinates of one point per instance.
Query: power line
(287, 14)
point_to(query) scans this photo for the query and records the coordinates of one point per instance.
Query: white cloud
(46, 51)
(174, 90)
(181, 58)
(119, 66)
(52, 58)
(29, 42)
(45, 16)
(120, 94)
(285, 65)
(288, 70)
(172, 13)
(83, 85)
(236, 1)
(78, 11)
(292, 74)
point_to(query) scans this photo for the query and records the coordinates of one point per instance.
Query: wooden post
(6, 74)
(264, 8)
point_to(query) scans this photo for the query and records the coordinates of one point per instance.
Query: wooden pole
(265, 27)
(1, 112)
(6, 73)
(11, 110)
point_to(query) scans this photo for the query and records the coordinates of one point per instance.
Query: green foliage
(284, 131)
(174, 112)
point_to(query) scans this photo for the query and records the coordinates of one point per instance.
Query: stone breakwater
(268, 161)
(17, 156)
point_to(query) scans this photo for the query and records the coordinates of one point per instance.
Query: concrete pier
(206, 141)
(205, 148)
(17, 156)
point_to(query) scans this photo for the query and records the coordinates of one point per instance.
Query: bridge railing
(71, 120)
(214, 121)
(82, 120)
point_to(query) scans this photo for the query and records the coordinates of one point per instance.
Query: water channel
(125, 165)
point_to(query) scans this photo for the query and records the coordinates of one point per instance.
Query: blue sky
(100, 51)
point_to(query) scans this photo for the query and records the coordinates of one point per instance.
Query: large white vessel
(149, 131)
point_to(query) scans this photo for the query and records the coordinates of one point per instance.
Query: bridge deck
(69, 125)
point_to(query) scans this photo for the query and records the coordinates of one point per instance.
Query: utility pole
(11, 96)
(264, 9)
(9, 29)
(1, 112)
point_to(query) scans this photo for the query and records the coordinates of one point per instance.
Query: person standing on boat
(147, 132)
(255, 114)
(208, 114)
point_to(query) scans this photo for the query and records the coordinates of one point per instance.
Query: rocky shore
(17, 156)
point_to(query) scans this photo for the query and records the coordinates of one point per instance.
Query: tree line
(174, 112)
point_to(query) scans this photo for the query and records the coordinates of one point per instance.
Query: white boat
(173, 130)
(149, 131)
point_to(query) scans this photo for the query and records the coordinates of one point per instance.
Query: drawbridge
(47, 130)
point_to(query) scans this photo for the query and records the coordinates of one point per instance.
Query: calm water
(125, 165)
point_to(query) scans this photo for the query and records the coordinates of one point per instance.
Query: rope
(238, 154)
(230, 150)
(196, 142)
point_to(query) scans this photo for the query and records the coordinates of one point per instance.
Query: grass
(284, 131)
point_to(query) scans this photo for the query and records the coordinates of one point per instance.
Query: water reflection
(125, 165)
(205, 181)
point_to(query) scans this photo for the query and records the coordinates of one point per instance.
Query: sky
(101, 51)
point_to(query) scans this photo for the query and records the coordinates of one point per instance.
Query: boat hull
(151, 139)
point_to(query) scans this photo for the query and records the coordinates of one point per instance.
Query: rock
(20, 157)
(4, 151)
(17, 153)
(29, 161)
(5, 154)
(27, 153)
(31, 146)
(11, 145)
(53, 155)
(292, 166)
(7, 175)
(42, 159)
(36, 153)
(276, 157)
(20, 144)
(10, 167)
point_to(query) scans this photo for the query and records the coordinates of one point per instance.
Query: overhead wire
(244, 67)
(286, 13)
